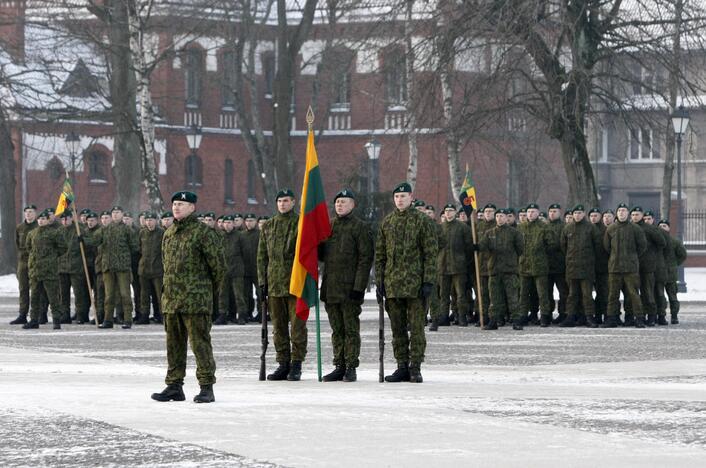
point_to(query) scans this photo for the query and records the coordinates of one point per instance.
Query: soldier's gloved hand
(476, 247)
(380, 291)
(80, 238)
(263, 291)
(356, 295)
(425, 292)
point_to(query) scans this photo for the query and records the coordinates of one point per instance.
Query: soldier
(92, 225)
(455, 251)
(44, 245)
(534, 265)
(557, 266)
(648, 264)
(568, 217)
(608, 217)
(167, 219)
(660, 274)
(485, 224)
(150, 269)
(238, 222)
(117, 243)
(105, 219)
(433, 302)
(275, 255)
(209, 219)
(23, 229)
(625, 242)
(71, 273)
(579, 242)
(261, 222)
(219, 223)
(232, 249)
(522, 215)
(675, 255)
(511, 219)
(405, 267)
(250, 237)
(193, 263)
(347, 257)
(504, 245)
(601, 282)
(82, 216)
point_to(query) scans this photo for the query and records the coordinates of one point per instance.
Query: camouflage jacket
(117, 243)
(625, 242)
(504, 244)
(661, 270)
(455, 248)
(579, 241)
(674, 255)
(21, 233)
(91, 250)
(45, 244)
(538, 242)
(250, 239)
(655, 246)
(555, 255)
(601, 253)
(275, 253)
(70, 261)
(406, 253)
(150, 265)
(484, 226)
(233, 248)
(348, 257)
(194, 266)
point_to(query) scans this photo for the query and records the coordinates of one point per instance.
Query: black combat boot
(675, 319)
(559, 318)
(568, 322)
(598, 319)
(639, 321)
(415, 373)
(463, 320)
(106, 324)
(20, 320)
(173, 392)
(434, 326)
(545, 321)
(491, 325)
(580, 320)
(400, 375)
(336, 375)
(351, 375)
(610, 322)
(143, 320)
(56, 324)
(533, 319)
(629, 320)
(221, 320)
(662, 320)
(43, 318)
(590, 322)
(66, 319)
(243, 318)
(651, 320)
(501, 322)
(31, 324)
(205, 395)
(295, 371)
(126, 325)
(517, 325)
(280, 373)
(444, 322)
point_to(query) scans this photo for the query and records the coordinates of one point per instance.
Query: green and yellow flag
(66, 197)
(468, 194)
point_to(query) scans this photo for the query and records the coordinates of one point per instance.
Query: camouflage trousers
(100, 297)
(671, 288)
(23, 282)
(50, 289)
(433, 302)
(452, 285)
(533, 290)
(82, 302)
(117, 286)
(250, 283)
(559, 280)
(660, 300)
(288, 331)
(407, 320)
(628, 283)
(484, 295)
(196, 329)
(136, 290)
(647, 293)
(601, 301)
(580, 303)
(504, 296)
(227, 297)
(151, 291)
(344, 319)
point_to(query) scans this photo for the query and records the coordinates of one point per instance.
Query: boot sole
(164, 400)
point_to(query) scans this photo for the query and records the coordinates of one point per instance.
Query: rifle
(263, 338)
(381, 337)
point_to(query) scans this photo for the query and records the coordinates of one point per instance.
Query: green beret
(30, 207)
(555, 206)
(578, 207)
(509, 210)
(490, 205)
(501, 211)
(227, 218)
(636, 208)
(237, 216)
(649, 213)
(263, 218)
(250, 216)
(418, 203)
(543, 214)
(43, 214)
(608, 211)
(149, 215)
(522, 210)
(286, 192)
(209, 214)
(430, 207)
(404, 187)
(449, 206)
(568, 212)
(167, 214)
(200, 216)
(127, 214)
(49, 210)
(345, 193)
(663, 221)
(185, 196)
(594, 210)
(117, 208)
(533, 206)
(105, 212)
(66, 214)
(84, 211)
(91, 214)
(622, 205)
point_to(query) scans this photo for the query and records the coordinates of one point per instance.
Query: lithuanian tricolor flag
(66, 197)
(314, 227)
(468, 194)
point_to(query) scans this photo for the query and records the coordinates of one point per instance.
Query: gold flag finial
(310, 117)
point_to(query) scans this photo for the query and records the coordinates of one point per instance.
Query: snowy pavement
(541, 397)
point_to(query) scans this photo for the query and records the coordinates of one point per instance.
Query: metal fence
(695, 229)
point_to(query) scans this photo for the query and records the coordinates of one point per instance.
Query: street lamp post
(73, 144)
(373, 147)
(193, 139)
(680, 121)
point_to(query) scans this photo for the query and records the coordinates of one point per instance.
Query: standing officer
(250, 238)
(167, 219)
(193, 263)
(648, 264)
(557, 267)
(234, 262)
(675, 255)
(484, 225)
(660, 273)
(275, 255)
(601, 282)
(150, 269)
(347, 257)
(71, 274)
(405, 266)
(534, 264)
(23, 229)
(134, 264)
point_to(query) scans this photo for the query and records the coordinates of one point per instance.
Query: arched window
(193, 75)
(54, 168)
(228, 182)
(97, 164)
(193, 171)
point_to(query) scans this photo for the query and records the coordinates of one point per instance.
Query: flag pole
(479, 285)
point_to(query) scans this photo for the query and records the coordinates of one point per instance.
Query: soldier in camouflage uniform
(193, 263)
(504, 245)
(105, 220)
(134, 266)
(601, 283)
(674, 255)
(660, 273)
(434, 299)
(23, 229)
(72, 274)
(455, 253)
(150, 269)
(625, 242)
(579, 243)
(484, 225)
(251, 238)
(232, 247)
(44, 245)
(405, 268)
(534, 264)
(347, 257)
(557, 268)
(117, 242)
(167, 219)
(275, 255)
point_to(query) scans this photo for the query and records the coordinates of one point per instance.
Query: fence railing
(695, 229)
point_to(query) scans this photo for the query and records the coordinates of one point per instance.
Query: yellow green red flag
(66, 197)
(468, 194)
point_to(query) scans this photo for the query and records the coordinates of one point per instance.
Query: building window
(228, 182)
(97, 171)
(268, 71)
(54, 168)
(228, 79)
(193, 75)
(395, 77)
(193, 171)
(643, 145)
(252, 182)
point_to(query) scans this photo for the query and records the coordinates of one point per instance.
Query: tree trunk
(411, 117)
(579, 173)
(8, 254)
(282, 101)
